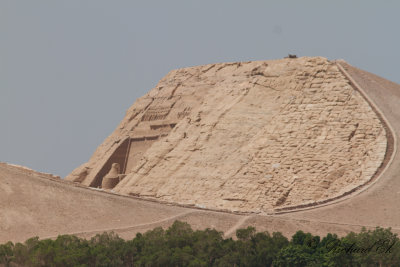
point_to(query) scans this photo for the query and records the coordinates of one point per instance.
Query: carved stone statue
(112, 177)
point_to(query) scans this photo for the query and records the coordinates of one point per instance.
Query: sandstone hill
(250, 136)
(36, 204)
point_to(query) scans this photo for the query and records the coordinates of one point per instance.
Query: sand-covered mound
(249, 136)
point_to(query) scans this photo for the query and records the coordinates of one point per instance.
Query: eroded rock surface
(248, 136)
(112, 178)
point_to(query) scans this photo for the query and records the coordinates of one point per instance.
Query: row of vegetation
(179, 245)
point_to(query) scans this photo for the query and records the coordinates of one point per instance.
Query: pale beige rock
(112, 177)
(250, 136)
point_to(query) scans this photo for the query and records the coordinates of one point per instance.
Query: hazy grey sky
(70, 69)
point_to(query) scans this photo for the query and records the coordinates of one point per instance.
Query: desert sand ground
(34, 204)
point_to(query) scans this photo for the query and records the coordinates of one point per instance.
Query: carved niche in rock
(112, 177)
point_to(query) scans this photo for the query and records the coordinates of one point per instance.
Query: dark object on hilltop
(291, 56)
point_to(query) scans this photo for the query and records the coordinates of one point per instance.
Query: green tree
(378, 247)
(6, 253)
(267, 248)
(333, 251)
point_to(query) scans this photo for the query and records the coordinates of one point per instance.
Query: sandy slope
(33, 204)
